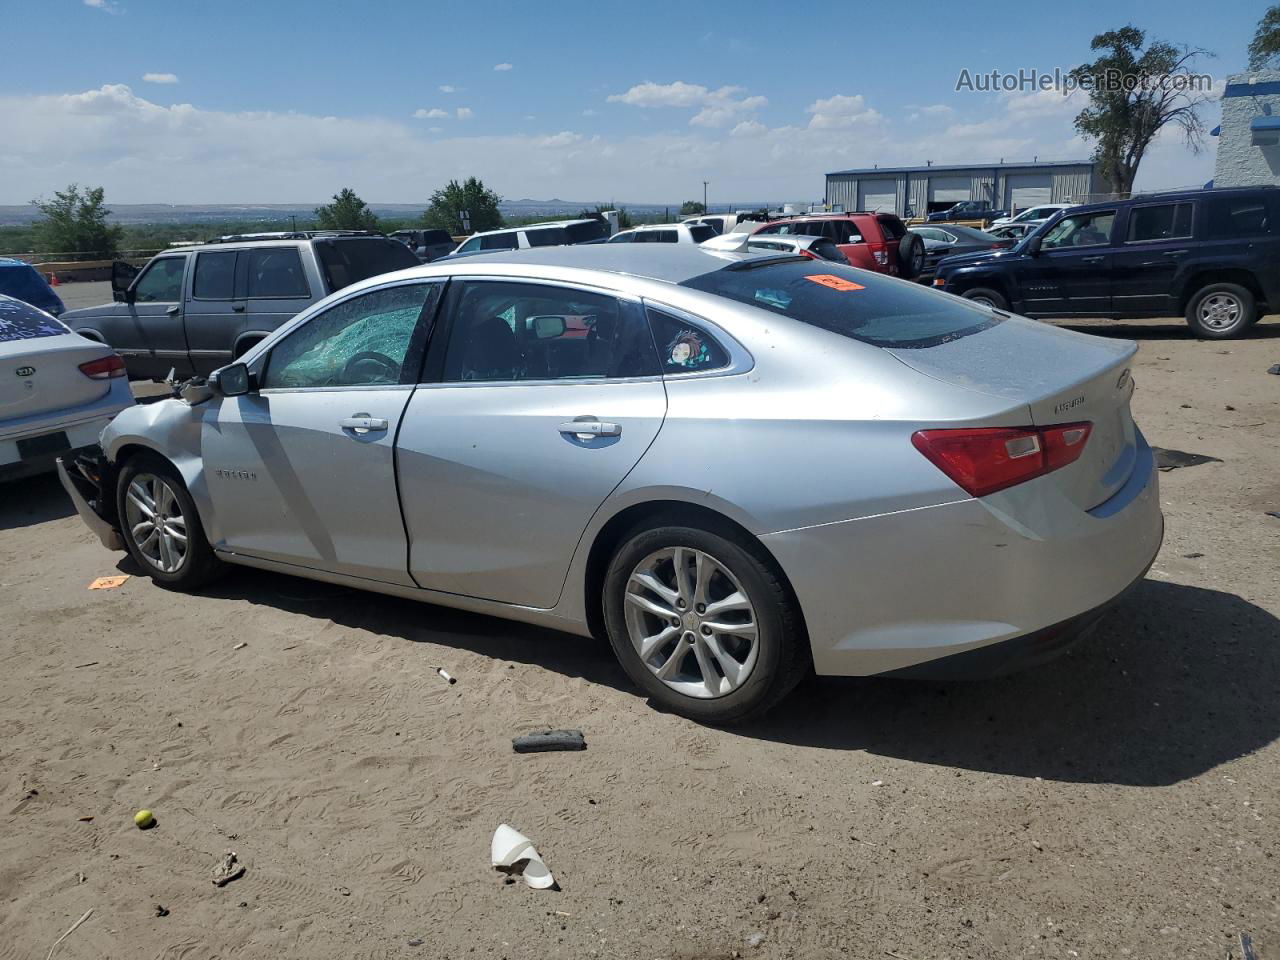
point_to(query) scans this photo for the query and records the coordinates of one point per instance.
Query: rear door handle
(1092, 259)
(362, 423)
(238, 307)
(1176, 253)
(591, 428)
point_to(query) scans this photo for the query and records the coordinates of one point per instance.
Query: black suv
(1210, 255)
(193, 309)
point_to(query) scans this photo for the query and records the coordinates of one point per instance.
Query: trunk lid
(42, 374)
(1059, 376)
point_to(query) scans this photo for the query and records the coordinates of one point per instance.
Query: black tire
(910, 256)
(199, 565)
(1221, 311)
(992, 298)
(782, 654)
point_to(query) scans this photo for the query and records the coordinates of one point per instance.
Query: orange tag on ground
(834, 282)
(108, 583)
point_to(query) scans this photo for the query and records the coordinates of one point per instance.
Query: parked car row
(1212, 256)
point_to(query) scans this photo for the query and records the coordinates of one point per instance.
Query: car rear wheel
(987, 297)
(702, 624)
(161, 527)
(910, 256)
(1221, 311)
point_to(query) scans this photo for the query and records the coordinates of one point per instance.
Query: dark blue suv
(1212, 256)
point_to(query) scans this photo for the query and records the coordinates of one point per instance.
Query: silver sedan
(738, 470)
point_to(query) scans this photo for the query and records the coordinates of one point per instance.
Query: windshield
(348, 261)
(858, 304)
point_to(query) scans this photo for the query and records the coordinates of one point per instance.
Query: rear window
(1237, 217)
(586, 232)
(546, 237)
(656, 236)
(433, 237)
(215, 275)
(348, 261)
(21, 321)
(857, 304)
(276, 274)
(893, 228)
(702, 232)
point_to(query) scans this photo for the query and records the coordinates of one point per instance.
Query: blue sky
(283, 101)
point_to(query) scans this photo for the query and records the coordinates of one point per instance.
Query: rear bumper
(892, 593)
(82, 425)
(87, 481)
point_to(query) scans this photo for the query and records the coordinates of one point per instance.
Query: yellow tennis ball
(143, 819)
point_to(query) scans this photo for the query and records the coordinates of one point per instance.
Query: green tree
(447, 204)
(1264, 51)
(1133, 94)
(692, 207)
(347, 212)
(75, 221)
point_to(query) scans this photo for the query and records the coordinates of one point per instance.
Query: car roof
(673, 263)
(1167, 195)
(14, 262)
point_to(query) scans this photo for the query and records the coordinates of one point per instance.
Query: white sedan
(57, 389)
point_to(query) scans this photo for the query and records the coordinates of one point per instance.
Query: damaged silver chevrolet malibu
(739, 469)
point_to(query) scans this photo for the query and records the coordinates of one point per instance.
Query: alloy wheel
(1220, 311)
(156, 523)
(691, 622)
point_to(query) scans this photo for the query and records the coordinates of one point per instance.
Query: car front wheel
(161, 527)
(703, 624)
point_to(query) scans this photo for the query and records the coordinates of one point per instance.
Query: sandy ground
(1119, 802)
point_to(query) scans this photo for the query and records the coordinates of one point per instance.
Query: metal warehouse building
(915, 191)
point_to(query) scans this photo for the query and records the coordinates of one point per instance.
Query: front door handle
(362, 423)
(1176, 253)
(587, 429)
(172, 311)
(1091, 259)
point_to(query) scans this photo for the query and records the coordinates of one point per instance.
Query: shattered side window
(20, 321)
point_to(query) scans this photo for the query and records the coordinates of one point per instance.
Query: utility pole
(704, 196)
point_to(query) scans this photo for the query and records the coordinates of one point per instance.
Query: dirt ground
(1118, 802)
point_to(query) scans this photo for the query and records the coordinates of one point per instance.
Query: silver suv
(193, 309)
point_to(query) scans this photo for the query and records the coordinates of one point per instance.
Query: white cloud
(840, 112)
(503, 67)
(145, 152)
(106, 6)
(435, 113)
(718, 107)
(447, 88)
(465, 113)
(678, 94)
(588, 112)
(160, 78)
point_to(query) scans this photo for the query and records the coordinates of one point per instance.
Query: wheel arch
(1197, 281)
(190, 469)
(652, 513)
(996, 282)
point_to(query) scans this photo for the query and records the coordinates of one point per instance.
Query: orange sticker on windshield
(834, 282)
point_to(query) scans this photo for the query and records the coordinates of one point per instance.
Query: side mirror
(122, 277)
(234, 380)
(548, 327)
(1033, 247)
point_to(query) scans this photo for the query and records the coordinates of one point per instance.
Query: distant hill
(277, 213)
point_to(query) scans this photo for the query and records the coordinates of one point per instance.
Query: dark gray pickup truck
(193, 309)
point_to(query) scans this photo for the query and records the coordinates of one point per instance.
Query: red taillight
(982, 460)
(104, 368)
(808, 253)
